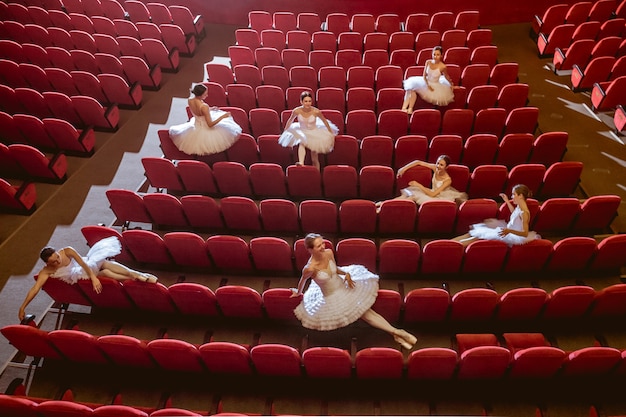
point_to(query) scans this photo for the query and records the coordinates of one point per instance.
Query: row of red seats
(363, 23)
(133, 69)
(82, 112)
(153, 51)
(426, 122)
(477, 356)
(461, 111)
(608, 95)
(346, 58)
(27, 162)
(324, 40)
(351, 216)
(108, 89)
(378, 78)
(274, 88)
(565, 36)
(52, 134)
(374, 182)
(582, 52)
(171, 35)
(478, 149)
(17, 198)
(24, 406)
(576, 14)
(598, 70)
(231, 254)
(35, 12)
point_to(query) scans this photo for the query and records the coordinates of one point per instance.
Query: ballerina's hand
(294, 292)
(503, 232)
(349, 281)
(431, 88)
(97, 285)
(504, 196)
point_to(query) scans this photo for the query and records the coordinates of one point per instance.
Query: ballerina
(209, 131)
(435, 86)
(67, 265)
(312, 131)
(332, 302)
(515, 232)
(442, 188)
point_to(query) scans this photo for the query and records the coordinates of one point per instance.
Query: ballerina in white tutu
(337, 296)
(515, 232)
(435, 86)
(312, 131)
(441, 189)
(209, 131)
(68, 266)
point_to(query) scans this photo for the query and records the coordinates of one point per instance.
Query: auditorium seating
(231, 254)
(608, 95)
(475, 357)
(19, 199)
(558, 180)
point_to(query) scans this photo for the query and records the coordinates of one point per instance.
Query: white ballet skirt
(491, 228)
(329, 303)
(196, 137)
(450, 194)
(99, 252)
(441, 94)
(311, 132)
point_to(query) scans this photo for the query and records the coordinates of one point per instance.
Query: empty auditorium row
(477, 356)
(362, 23)
(575, 14)
(328, 41)
(32, 59)
(51, 13)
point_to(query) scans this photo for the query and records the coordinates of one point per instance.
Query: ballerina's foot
(299, 164)
(378, 205)
(145, 277)
(405, 339)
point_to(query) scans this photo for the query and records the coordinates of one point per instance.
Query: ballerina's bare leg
(465, 239)
(301, 154)
(315, 160)
(402, 196)
(406, 339)
(410, 97)
(121, 272)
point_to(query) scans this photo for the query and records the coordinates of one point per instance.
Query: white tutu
(99, 252)
(311, 132)
(441, 93)
(196, 137)
(329, 310)
(490, 230)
